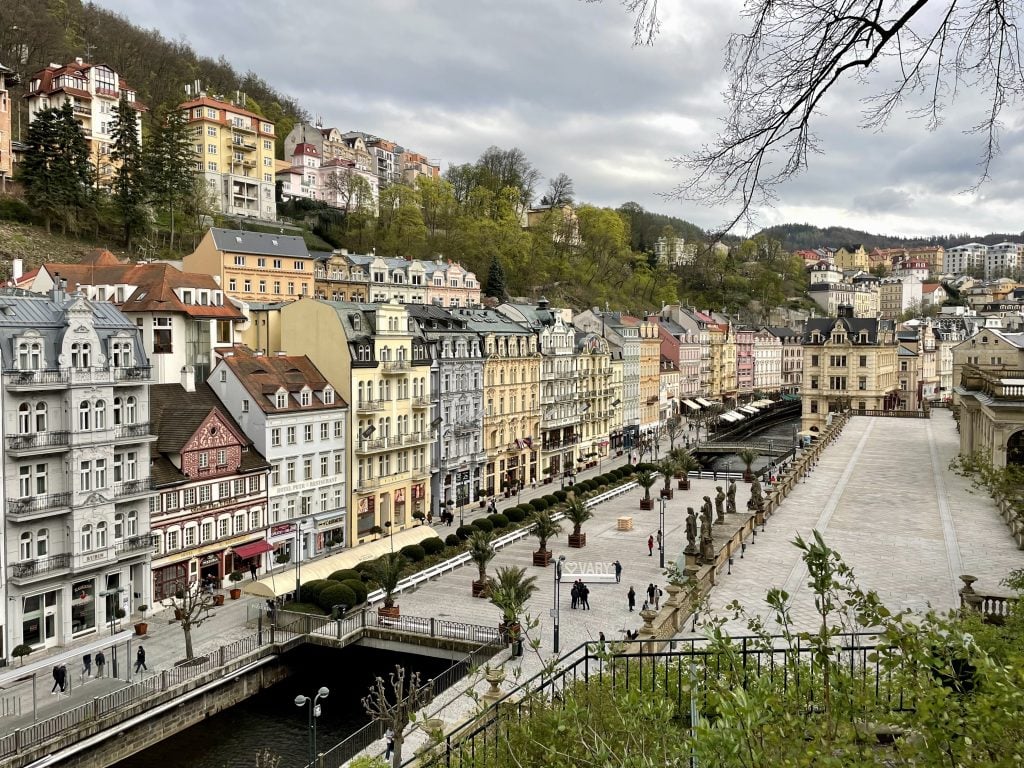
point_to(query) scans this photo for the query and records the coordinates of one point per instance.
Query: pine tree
(129, 179)
(170, 170)
(495, 280)
(56, 171)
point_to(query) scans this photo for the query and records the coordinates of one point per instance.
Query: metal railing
(123, 431)
(29, 568)
(133, 487)
(58, 439)
(136, 543)
(32, 504)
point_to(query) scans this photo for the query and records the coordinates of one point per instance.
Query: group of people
(580, 595)
(654, 594)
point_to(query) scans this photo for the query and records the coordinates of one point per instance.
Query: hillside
(795, 237)
(35, 247)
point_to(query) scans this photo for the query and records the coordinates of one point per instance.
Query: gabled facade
(211, 489)
(335, 278)
(295, 419)
(76, 471)
(792, 358)
(768, 359)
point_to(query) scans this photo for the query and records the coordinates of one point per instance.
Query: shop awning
(282, 583)
(245, 551)
(749, 409)
(727, 417)
(736, 415)
(691, 405)
(705, 403)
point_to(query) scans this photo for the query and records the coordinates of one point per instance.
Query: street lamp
(661, 528)
(556, 611)
(314, 713)
(112, 606)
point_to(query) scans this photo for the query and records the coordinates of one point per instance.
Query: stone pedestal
(647, 630)
(495, 677)
(673, 595)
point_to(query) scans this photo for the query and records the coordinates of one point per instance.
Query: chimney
(188, 378)
(17, 269)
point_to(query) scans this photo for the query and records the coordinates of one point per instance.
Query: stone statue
(719, 506)
(707, 544)
(691, 532)
(730, 499)
(706, 515)
(756, 499)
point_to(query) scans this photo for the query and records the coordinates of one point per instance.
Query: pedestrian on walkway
(651, 590)
(631, 597)
(575, 592)
(585, 596)
(140, 660)
(252, 569)
(101, 661)
(87, 665)
(62, 677)
(389, 738)
(618, 571)
(56, 678)
(600, 642)
(659, 539)
(650, 546)
(657, 597)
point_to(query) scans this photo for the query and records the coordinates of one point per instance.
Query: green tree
(129, 190)
(400, 223)
(56, 171)
(170, 166)
(495, 280)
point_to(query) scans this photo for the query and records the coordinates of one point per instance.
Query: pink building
(744, 361)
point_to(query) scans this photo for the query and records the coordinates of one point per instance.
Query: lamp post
(556, 611)
(298, 559)
(314, 713)
(661, 527)
(112, 607)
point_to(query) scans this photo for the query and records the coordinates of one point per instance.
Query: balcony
(420, 402)
(31, 507)
(414, 438)
(395, 366)
(368, 406)
(241, 144)
(31, 570)
(133, 488)
(38, 442)
(78, 109)
(136, 374)
(242, 127)
(129, 431)
(370, 446)
(20, 381)
(998, 384)
(134, 545)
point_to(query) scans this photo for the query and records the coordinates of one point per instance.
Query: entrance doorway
(39, 620)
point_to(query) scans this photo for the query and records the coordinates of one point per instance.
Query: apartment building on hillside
(6, 138)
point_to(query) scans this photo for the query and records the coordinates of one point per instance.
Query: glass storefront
(83, 606)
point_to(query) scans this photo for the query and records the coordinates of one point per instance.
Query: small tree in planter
(544, 528)
(387, 572)
(282, 557)
(376, 531)
(577, 513)
(21, 652)
(396, 707)
(481, 552)
(667, 468)
(235, 577)
(419, 517)
(510, 591)
(748, 456)
(685, 464)
(646, 479)
(141, 627)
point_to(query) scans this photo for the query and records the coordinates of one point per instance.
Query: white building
(77, 544)
(768, 357)
(968, 258)
(674, 251)
(1003, 260)
(296, 420)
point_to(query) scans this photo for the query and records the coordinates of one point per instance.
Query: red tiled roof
(264, 375)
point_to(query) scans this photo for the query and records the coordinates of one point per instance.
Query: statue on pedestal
(706, 512)
(756, 499)
(719, 506)
(691, 531)
(707, 544)
(730, 500)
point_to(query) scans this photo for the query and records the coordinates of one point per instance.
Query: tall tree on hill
(129, 180)
(560, 191)
(56, 171)
(495, 280)
(170, 170)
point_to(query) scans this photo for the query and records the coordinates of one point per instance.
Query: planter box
(666, 493)
(218, 599)
(388, 613)
(479, 588)
(141, 628)
(541, 558)
(577, 541)
(235, 594)
(683, 484)
(646, 503)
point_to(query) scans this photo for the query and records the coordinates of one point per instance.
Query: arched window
(84, 416)
(133, 523)
(86, 537)
(118, 526)
(118, 411)
(30, 356)
(42, 542)
(24, 419)
(131, 410)
(100, 415)
(25, 546)
(101, 535)
(121, 354)
(40, 417)
(81, 354)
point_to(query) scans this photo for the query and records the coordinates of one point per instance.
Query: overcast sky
(561, 80)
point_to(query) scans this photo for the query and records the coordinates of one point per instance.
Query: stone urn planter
(541, 558)
(577, 540)
(495, 676)
(673, 594)
(648, 616)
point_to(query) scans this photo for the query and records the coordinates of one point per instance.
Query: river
(270, 719)
(784, 432)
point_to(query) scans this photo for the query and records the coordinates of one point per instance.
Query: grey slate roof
(259, 243)
(854, 326)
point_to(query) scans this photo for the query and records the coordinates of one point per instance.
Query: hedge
(560, 495)
(499, 520)
(483, 524)
(451, 540)
(433, 545)
(464, 532)
(539, 505)
(358, 589)
(516, 514)
(345, 575)
(413, 552)
(336, 595)
(310, 591)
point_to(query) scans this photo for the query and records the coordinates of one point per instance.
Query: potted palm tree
(387, 572)
(748, 456)
(544, 528)
(646, 479)
(667, 468)
(481, 552)
(577, 513)
(509, 591)
(685, 464)
(141, 627)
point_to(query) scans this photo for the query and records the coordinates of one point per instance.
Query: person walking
(585, 596)
(657, 597)
(56, 678)
(87, 665)
(252, 569)
(618, 571)
(600, 642)
(389, 738)
(651, 593)
(650, 546)
(631, 597)
(101, 661)
(659, 539)
(140, 660)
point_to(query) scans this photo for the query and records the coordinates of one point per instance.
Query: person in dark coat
(101, 661)
(140, 660)
(631, 597)
(585, 596)
(575, 592)
(56, 679)
(252, 569)
(618, 571)
(651, 591)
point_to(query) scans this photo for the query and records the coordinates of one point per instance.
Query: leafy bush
(358, 589)
(13, 209)
(550, 500)
(451, 540)
(433, 545)
(464, 532)
(515, 515)
(311, 590)
(345, 575)
(499, 520)
(483, 524)
(539, 505)
(560, 495)
(336, 595)
(414, 553)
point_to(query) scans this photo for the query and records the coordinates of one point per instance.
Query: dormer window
(81, 354)
(328, 396)
(281, 399)
(355, 322)
(30, 356)
(305, 397)
(186, 297)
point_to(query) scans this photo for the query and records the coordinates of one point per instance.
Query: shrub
(499, 520)
(336, 595)
(464, 532)
(550, 499)
(310, 608)
(345, 575)
(451, 540)
(311, 590)
(365, 570)
(483, 524)
(515, 515)
(358, 589)
(539, 505)
(13, 209)
(414, 553)
(433, 545)
(560, 495)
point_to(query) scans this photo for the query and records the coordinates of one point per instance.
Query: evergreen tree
(495, 280)
(170, 161)
(56, 171)
(129, 181)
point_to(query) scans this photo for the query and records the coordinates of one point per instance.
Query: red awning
(245, 551)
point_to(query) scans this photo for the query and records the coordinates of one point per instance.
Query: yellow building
(234, 154)
(849, 363)
(722, 384)
(852, 257)
(616, 420)
(511, 421)
(376, 358)
(650, 374)
(596, 394)
(337, 279)
(255, 266)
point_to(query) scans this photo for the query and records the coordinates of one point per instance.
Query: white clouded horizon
(561, 80)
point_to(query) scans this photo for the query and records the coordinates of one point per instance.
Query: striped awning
(691, 405)
(705, 403)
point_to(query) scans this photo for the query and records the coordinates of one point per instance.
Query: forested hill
(796, 237)
(645, 227)
(34, 33)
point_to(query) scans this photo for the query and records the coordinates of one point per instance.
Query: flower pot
(683, 484)
(666, 493)
(577, 540)
(541, 558)
(218, 599)
(385, 612)
(748, 477)
(646, 503)
(141, 628)
(235, 594)
(479, 588)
